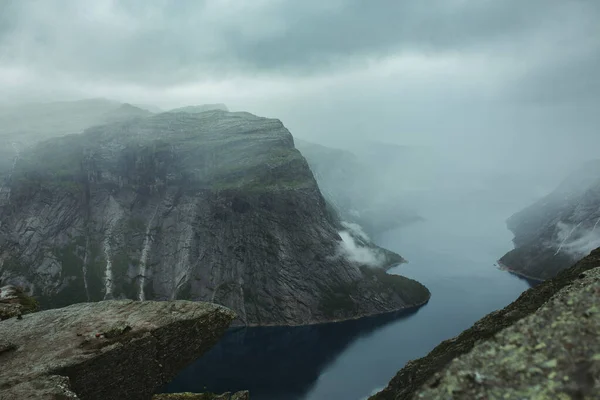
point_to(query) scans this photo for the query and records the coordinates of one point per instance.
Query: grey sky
(452, 72)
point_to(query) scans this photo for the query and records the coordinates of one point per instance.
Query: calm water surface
(453, 253)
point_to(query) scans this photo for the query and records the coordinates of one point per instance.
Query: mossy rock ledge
(545, 345)
(106, 350)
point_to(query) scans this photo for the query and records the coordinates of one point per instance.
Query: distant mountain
(363, 190)
(149, 107)
(213, 206)
(124, 112)
(37, 121)
(24, 125)
(559, 229)
(201, 108)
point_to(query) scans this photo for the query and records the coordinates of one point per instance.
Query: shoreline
(407, 310)
(504, 267)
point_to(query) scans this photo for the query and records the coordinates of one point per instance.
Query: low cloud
(576, 241)
(354, 247)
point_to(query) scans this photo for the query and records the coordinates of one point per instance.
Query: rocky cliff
(559, 229)
(106, 350)
(542, 346)
(212, 206)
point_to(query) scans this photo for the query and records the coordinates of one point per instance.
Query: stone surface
(245, 395)
(106, 350)
(542, 346)
(211, 206)
(559, 229)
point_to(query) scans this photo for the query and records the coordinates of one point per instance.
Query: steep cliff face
(559, 229)
(212, 206)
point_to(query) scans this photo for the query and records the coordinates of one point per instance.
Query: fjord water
(452, 252)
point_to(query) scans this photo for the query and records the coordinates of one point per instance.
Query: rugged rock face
(359, 192)
(543, 345)
(211, 206)
(559, 229)
(106, 350)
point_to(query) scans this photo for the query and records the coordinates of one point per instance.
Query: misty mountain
(559, 229)
(212, 206)
(201, 108)
(33, 122)
(24, 125)
(359, 188)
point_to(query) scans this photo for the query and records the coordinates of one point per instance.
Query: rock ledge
(107, 350)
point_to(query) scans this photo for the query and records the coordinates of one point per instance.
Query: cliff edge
(106, 350)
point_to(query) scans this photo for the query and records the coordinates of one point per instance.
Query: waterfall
(114, 213)
(144, 258)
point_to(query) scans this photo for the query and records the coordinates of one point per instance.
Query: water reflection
(275, 362)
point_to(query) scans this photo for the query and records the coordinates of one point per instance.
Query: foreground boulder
(106, 350)
(544, 345)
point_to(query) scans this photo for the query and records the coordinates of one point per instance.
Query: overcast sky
(491, 73)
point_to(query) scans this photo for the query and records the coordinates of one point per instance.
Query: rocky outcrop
(212, 206)
(105, 350)
(359, 191)
(543, 345)
(559, 229)
(203, 396)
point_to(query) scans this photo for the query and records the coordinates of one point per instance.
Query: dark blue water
(453, 253)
